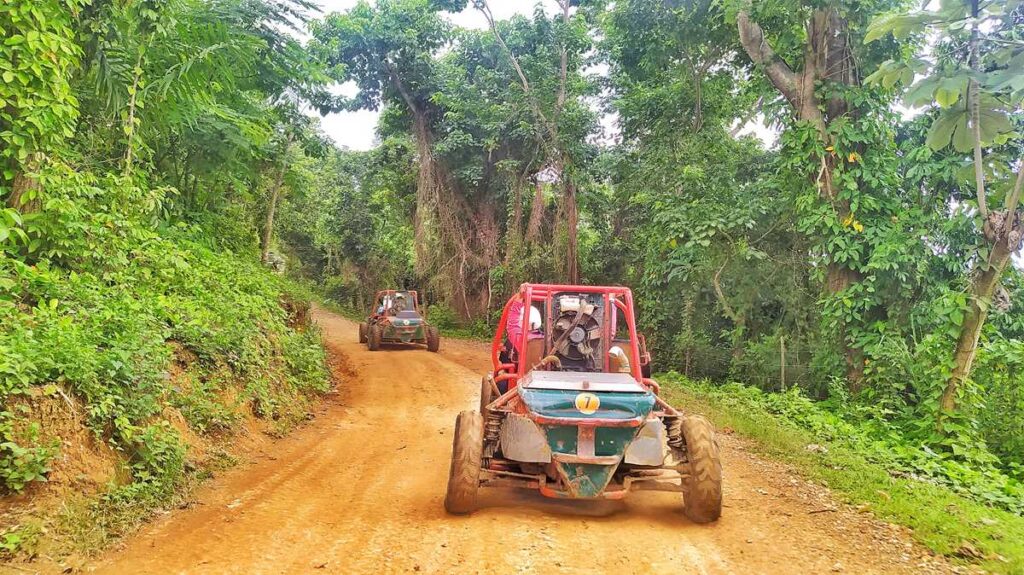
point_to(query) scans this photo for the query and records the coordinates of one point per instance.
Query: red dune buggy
(568, 411)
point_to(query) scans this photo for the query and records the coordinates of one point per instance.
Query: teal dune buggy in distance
(397, 317)
(568, 411)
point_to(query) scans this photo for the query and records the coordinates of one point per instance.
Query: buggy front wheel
(702, 488)
(374, 337)
(362, 332)
(433, 338)
(467, 453)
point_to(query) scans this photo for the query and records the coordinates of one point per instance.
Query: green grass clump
(866, 467)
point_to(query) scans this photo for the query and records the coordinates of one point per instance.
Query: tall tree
(976, 77)
(817, 75)
(569, 43)
(388, 51)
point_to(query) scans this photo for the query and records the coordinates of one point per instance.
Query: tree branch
(1013, 199)
(401, 88)
(973, 95)
(485, 9)
(761, 53)
(716, 283)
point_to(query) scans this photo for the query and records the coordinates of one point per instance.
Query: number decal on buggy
(587, 403)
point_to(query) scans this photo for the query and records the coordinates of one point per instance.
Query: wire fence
(770, 369)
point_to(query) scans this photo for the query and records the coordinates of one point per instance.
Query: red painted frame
(620, 297)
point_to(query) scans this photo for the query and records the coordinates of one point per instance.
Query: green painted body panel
(561, 438)
(585, 480)
(613, 440)
(562, 403)
(405, 330)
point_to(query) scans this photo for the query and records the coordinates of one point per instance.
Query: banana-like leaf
(953, 125)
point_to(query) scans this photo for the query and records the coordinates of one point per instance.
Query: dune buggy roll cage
(392, 292)
(617, 298)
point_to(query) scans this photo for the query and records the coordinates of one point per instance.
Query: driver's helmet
(535, 321)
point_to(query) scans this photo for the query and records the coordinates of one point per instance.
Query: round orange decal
(587, 403)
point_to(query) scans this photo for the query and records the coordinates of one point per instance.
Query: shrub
(970, 472)
(103, 301)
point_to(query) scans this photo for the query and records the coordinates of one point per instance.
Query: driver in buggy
(513, 336)
(398, 305)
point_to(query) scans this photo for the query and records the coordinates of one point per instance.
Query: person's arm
(514, 325)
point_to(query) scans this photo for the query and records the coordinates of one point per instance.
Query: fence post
(782, 360)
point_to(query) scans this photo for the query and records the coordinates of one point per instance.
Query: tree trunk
(425, 194)
(22, 185)
(487, 236)
(536, 213)
(129, 154)
(268, 225)
(1007, 236)
(514, 235)
(1002, 232)
(688, 331)
(827, 57)
(442, 243)
(737, 339)
(572, 263)
(738, 318)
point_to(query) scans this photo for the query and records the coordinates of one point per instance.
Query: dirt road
(360, 489)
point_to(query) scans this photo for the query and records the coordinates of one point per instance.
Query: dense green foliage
(865, 262)
(138, 142)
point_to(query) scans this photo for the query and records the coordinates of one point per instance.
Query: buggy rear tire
(702, 489)
(362, 332)
(433, 338)
(373, 340)
(467, 455)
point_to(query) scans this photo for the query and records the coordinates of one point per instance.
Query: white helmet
(535, 321)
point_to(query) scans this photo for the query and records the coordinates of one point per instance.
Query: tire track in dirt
(360, 490)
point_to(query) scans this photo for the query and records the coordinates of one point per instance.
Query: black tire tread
(467, 455)
(363, 327)
(702, 490)
(433, 338)
(373, 341)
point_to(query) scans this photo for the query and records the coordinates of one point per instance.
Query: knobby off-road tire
(362, 332)
(467, 453)
(433, 338)
(373, 340)
(702, 490)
